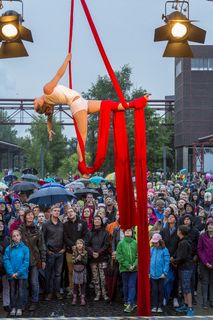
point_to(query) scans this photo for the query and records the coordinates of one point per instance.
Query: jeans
(6, 291)
(157, 289)
(34, 283)
(206, 276)
(54, 265)
(17, 289)
(129, 280)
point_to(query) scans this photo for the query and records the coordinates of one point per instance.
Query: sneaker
(175, 303)
(129, 308)
(154, 309)
(159, 310)
(205, 306)
(125, 304)
(164, 302)
(32, 306)
(19, 313)
(190, 312)
(59, 296)
(105, 297)
(13, 312)
(134, 306)
(182, 308)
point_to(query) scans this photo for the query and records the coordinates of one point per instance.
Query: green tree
(157, 134)
(54, 151)
(7, 132)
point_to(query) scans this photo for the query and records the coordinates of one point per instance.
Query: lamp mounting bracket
(178, 5)
(22, 6)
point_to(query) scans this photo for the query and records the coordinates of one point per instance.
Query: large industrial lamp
(178, 31)
(11, 35)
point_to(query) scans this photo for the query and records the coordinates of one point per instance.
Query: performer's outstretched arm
(49, 87)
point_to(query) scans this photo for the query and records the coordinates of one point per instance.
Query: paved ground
(64, 309)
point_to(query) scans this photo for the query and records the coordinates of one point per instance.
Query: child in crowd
(79, 258)
(16, 262)
(127, 258)
(159, 267)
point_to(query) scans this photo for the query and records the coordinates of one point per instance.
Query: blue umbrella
(46, 197)
(183, 171)
(53, 185)
(49, 180)
(97, 179)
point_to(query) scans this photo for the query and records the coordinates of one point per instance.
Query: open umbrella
(46, 197)
(29, 177)
(75, 185)
(83, 180)
(3, 186)
(9, 178)
(49, 180)
(30, 171)
(83, 192)
(209, 189)
(97, 179)
(25, 186)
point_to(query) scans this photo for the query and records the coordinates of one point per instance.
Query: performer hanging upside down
(56, 94)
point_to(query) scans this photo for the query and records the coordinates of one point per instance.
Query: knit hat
(156, 237)
(209, 220)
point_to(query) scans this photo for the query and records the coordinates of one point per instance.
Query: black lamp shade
(12, 49)
(178, 49)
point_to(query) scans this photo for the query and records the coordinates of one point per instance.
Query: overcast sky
(126, 28)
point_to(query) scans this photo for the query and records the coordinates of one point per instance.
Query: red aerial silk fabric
(129, 214)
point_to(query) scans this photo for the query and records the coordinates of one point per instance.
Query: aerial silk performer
(130, 214)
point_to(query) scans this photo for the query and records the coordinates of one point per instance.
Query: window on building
(202, 64)
(178, 68)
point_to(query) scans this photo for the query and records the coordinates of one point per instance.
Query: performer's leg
(95, 105)
(82, 122)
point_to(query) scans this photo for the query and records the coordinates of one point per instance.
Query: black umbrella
(29, 176)
(81, 193)
(30, 171)
(25, 186)
(10, 178)
(46, 197)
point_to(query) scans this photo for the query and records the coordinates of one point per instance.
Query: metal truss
(21, 111)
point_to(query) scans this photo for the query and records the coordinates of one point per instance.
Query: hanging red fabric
(124, 185)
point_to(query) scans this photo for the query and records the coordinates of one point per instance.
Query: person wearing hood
(201, 196)
(98, 252)
(189, 210)
(127, 258)
(205, 253)
(207, 201)
(74, 229)
(33, 239)
(152, 217)
(4, 211)
(16, 206)
(16, 263)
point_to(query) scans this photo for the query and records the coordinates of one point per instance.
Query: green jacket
(126, 254)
